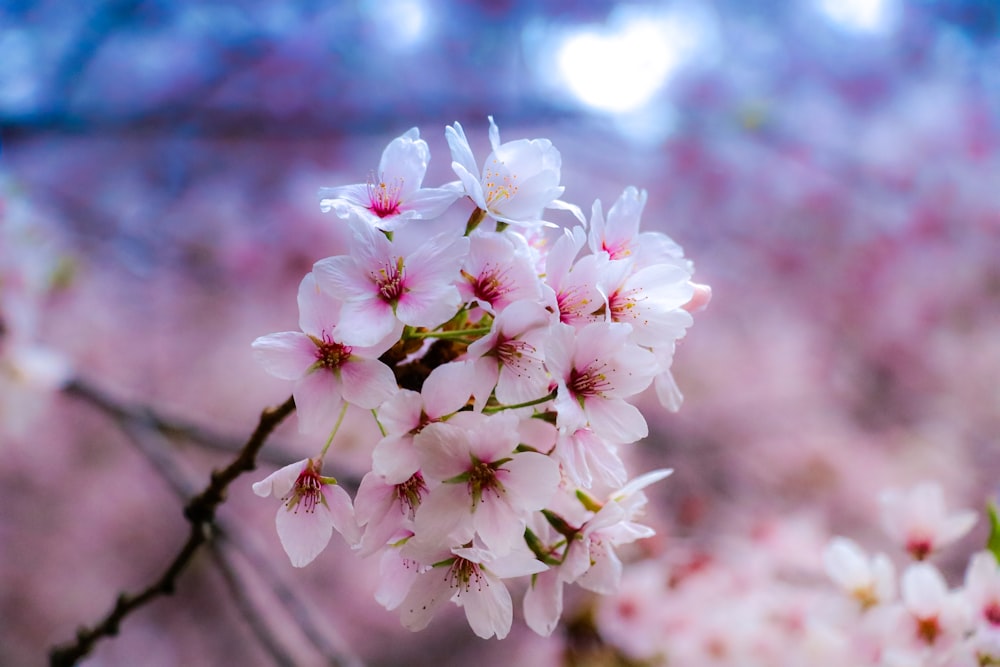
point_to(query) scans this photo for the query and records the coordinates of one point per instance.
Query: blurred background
(831, 166)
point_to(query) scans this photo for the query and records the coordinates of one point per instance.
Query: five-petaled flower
(325, 369)
(394, 193)
(312, 507)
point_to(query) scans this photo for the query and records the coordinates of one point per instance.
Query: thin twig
(200, 512)
(290, 600)
(225, 533)
(149, 418)
(238, 590)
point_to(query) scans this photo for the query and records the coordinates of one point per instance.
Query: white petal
(405, 158)
(429, 591)
(341, 511)
(318, 310)
(287, 355)
(303, 534)
(488, 607)
(543, 603)
(280, 482)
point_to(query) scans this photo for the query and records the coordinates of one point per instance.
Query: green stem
(333, 434)
(377, 422)
(478, 215)
(459, 333)
(537, 401)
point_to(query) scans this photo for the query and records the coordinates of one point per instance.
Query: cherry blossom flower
(597, 369)
(498, 272)
(405, 414)
(572, 286)
(587, 459)
(650, 299)
(982, 590)
(933, 619)
(384, 508)
(870, 581)
(393, 194)
(478, 483)
(312, 507)
(326, 370)
(618, 235)
(386, 284)
(510, 359)
(472, 578)
(519, 178)
(590, 559)
(919, 521)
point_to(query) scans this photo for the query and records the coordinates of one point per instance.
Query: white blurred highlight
(871, 16)
(620, 66)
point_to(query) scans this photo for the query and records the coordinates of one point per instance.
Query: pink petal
(543, 603)
(303, 534)
(287, 355)
(429, 591)
(318, 402)
(341, 511)
(318, 310)
(488, 607)
(281, 481)
(367, 383)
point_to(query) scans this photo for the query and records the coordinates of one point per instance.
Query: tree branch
(200, 512)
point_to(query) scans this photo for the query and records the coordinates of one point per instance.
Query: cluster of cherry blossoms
(768, 603)
(498, 355)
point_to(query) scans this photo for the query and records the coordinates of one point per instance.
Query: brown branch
(200, 512)
(151, 443)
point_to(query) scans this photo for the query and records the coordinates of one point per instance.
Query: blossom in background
(385, 284)
(982, 591)
(518, 180)
(919, 521)
(311, 509)
(325, 369)
(870, 581)
(393, 194)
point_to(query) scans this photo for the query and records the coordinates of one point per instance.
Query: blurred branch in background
(200, 512)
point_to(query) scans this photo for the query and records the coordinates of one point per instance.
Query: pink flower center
(330, 354)
(389, 281)
(511, 353)
(384, 197)
(573, 305)
(411, 492)
(489, 285)
(307, 491)
(992, 613)
(620, 251)
(622, 305)
(588, 382)
(919, 547)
